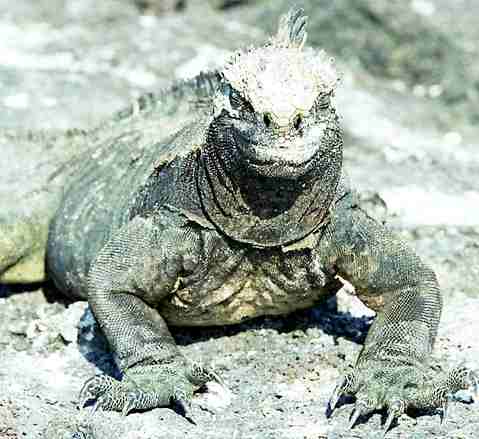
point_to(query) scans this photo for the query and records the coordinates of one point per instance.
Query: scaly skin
(224, 200)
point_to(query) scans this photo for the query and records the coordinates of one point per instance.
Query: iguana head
(273, 152)
(274, 103)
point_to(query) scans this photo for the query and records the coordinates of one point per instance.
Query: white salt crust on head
(281, 81)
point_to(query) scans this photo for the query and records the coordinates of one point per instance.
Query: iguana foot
(148, 386)
(396, 388)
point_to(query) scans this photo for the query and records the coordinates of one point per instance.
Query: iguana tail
(32, 178)
(22, 251)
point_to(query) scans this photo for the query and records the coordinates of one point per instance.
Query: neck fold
(264, 211)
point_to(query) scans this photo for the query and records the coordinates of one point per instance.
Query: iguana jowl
(239, 211)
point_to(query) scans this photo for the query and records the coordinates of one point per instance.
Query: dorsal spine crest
(292, 30)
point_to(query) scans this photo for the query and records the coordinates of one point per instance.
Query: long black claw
(181, 401)
(98, 404)
(346, 385)
(219, 380)
(338, 392)
(94, 388)
(82, 402)
(130, 404)
(389, 421)
(183, 405)
(333, 401)
(396, 409)
(354, 417)
(87, 393)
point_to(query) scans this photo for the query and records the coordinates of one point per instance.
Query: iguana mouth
(290, 155)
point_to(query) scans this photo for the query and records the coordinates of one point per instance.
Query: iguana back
(109, 161)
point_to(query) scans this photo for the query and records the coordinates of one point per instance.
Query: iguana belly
(262, 283)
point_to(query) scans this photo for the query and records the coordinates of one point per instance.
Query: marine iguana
(236, 209)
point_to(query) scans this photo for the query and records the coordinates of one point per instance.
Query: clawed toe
(120, 396)
(355, 416)
(181, 400)
(363, 407)
(346, 385)
(396, 409)
(131, 403)
(107, 393)
(147, 387)
(396, 389)
(100, 403)
(94, 389)
(199, 374)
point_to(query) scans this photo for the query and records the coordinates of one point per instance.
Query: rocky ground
(410, 111)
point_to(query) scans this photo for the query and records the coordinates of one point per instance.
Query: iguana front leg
(391, 370)
(135, 270)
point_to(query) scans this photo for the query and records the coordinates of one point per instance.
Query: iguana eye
(237, 101)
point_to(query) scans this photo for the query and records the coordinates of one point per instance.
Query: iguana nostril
(267, 119)
(298, 122)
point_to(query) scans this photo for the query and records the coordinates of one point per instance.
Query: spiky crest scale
(291, 30)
